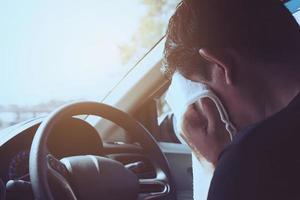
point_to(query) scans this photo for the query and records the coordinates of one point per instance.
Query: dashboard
(69, 138)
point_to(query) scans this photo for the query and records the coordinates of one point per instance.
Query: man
(248, 53)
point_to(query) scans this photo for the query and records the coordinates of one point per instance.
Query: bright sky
(63, 49)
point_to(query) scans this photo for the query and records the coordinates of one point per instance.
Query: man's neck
(281, 89)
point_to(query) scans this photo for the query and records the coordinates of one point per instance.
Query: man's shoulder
(283, 128)
(264, 157)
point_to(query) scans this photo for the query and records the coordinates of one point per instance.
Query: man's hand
(204, 131)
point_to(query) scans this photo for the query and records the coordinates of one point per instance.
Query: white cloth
(182, 93)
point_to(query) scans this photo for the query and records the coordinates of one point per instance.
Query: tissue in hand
(183, 92)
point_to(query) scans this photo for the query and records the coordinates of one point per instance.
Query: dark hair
(261, 28)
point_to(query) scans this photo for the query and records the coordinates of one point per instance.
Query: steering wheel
(95, 177)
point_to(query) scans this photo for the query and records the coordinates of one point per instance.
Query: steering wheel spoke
(58, 171)
(57, 166)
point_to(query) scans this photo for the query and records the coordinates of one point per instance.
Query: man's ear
(221, 59)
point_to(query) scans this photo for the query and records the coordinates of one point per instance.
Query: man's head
(237, 47)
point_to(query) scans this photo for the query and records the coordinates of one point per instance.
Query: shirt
(263, 161)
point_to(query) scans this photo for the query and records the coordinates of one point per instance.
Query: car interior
(123, 147)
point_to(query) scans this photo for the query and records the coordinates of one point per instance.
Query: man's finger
(212, 114)
(194, 122)
(216, 127)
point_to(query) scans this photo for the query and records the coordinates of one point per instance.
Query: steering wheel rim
(38, 161)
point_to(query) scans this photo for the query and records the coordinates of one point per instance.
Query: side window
(297, 16)
(294, 8)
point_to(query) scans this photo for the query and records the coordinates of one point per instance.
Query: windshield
(53, 52)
